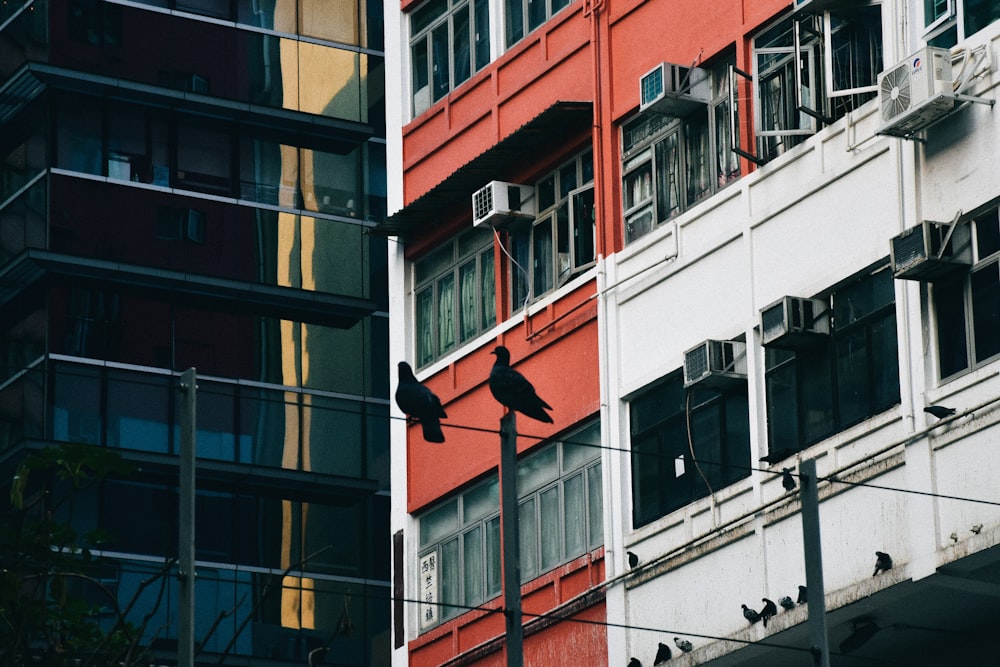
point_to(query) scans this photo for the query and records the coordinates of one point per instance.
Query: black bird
(786, 602)
(684, 645)
(633, 559)
(939, 411)
(883, 562)
(663, 654)
(750, 614)
(419, 402)
(769, 610)
(512, 390)
(778, 455)
(803, 598)
(634, 662)
(787, 480)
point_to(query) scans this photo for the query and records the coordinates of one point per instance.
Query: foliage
(52, 600)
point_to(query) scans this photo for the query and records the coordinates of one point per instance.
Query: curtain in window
(468, 296)
(488, 292)
(446, 313)
(425, 334)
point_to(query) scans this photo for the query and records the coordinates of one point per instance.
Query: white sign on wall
(428, 590)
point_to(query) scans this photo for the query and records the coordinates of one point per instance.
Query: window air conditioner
(931, 251)
(716, 364)
(916, 92)
(792, 322)
(674, 90)
(498, 202)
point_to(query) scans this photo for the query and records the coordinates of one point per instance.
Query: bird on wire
(787, 480)
(513, 390)
(663, 653)
(420, 403)
(939, 411)
(769, 610)
(803, 596)
(633, 559)
(750, 614)
(786, 602)
(883, 562)
(684, 645)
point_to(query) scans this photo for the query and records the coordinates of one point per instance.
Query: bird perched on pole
(420, 403)
(513, 390)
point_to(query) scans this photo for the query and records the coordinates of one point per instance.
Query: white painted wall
(797, 226)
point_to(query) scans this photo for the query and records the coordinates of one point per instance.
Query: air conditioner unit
(716, 364)
(916, 92)
(674, 90)
(792, 322)
(498, 202)
(931, 251)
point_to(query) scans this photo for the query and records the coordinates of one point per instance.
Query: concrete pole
(809, 494)
(185, 537)
(510, 547)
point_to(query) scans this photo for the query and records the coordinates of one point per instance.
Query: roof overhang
(532, 142)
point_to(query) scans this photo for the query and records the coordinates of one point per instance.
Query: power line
(831, 478)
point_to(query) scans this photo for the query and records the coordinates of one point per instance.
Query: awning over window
(535, 139)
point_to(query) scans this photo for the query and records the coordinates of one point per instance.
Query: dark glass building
(189, 183)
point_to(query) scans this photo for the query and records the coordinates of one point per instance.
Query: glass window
(523, 16)
(673, 466)
(456, 294)
(671, 162)
(559, 244)
(449, 41)
(559, 517)
(816, 391)
(812, 69)
(967, 307)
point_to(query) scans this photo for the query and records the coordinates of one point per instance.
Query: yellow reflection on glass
(336, 20)
(331, 82)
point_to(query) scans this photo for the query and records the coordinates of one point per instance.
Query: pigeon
(512, 390)
(883, 562)
(803, 598)
(634, 662)
(750, 614)
(787, 480)
(939, 411)
(779, 455)
(663, 654)
(769, 610)
(684, 645)
(633, 559)
(786, 602)
(976, 528)
(419, 402)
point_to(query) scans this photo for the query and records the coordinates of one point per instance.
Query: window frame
(659, 179)
(461, 251)
(534, 263)
(951, 26)
(985, 258)
(533, 483)
(449, 18)
(811, 35)
(665, 443)
(521, 11)
(810, 376)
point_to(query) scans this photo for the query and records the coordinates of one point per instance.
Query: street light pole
(510, 548)
(185, 533)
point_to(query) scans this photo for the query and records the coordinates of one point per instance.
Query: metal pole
(185, 534)
(814, 564)
(510, 548)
